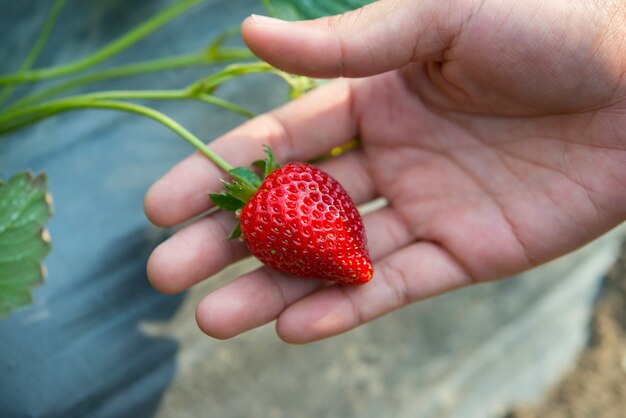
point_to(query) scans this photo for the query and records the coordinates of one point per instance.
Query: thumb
(379, 37)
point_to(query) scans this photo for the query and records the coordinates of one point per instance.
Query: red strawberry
(301, 221)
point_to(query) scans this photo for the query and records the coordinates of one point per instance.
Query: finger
(260, 296)
(416, 272)
(300, 130)
(201, 250)
(194, 253)
(250, 301)
(379, 37)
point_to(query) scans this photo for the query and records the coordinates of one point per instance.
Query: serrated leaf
(236, 233)
(310, 9)
(270, 161)
(246, 177)
(226, 201)
(25, 208)
(238, 191)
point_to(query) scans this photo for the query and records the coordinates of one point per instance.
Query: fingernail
(266, 20)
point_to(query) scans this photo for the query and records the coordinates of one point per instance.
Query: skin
(495, 129)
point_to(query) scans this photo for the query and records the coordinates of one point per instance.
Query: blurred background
(100, 342)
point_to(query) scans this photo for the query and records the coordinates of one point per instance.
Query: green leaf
(227, 201)
(25, 207)
(270, 162)
(260, 164)
(310, 9)
(246, 177)
(236, 233)
(238, 191)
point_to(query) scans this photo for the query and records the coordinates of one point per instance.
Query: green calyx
(244, 185)
(267, 165)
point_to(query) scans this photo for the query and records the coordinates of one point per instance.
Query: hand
(495, 130)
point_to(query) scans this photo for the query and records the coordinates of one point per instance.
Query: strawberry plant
(326, 212)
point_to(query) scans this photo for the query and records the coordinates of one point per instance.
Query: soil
(596, 387)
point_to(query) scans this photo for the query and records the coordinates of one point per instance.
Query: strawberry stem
(166, 121)
(71, 104)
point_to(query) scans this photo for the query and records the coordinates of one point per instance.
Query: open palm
(498, 141)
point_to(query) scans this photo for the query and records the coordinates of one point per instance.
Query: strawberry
(299, 220)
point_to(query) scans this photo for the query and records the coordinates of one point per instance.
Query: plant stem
(217, 101)
(164, 120)
(108, 51)
(181, 61)
(22, 122)
(230, 72)
(35, 115)
(198, 90)
(208, 84)
(216, 46)
(8, 117)
(134, 95)
(51, 109)
(37, 47)
(298, 84)
(182, 94)
(144, 111)
(201, 90)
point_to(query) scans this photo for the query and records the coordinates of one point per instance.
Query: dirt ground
(596, 387)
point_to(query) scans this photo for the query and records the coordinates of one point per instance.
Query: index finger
(299, 130)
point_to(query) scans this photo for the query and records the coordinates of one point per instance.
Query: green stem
(199, 90)
(37, 47)
(209, 83)
(183, 94)
(9, 117)
(216, 46)
(164, 120)
(23, 122)
(134, 95)
(144, 111)
(35, 114)
(214, 100)
(297, 84)
(181, 61)
(108, 51)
